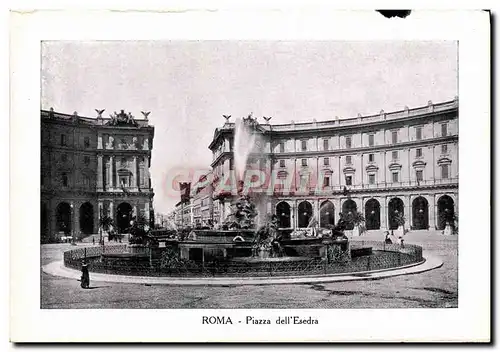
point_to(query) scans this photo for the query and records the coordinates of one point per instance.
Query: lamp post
(73, 240)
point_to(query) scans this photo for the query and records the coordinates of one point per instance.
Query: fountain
(248, 241)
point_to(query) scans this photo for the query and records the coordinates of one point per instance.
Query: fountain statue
(242, 215)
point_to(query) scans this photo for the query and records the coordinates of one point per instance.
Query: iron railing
(385, 256)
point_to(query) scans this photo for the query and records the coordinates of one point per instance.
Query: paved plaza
(437, 288)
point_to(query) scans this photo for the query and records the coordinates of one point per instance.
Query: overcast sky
(187, 86)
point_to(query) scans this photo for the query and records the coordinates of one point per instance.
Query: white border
(469, 322)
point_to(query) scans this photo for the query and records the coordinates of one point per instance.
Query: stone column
(294, 186)
(134, 210)
(432, 212)
(99, 173)
(336, 205)
(110, 170)
(111, 211)
(383, 213)
(100, 207)
(134, 173)
(408, 212)
(146, 210)
(339, 172)
(116, 183)
(316, 215)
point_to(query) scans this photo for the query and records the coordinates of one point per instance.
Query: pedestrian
(85, 279)
(387, 238)
(93, 240)
(401, 241)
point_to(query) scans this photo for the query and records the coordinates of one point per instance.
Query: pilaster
(99, 173)
(134, 173)
(433, 212)
(383, 213)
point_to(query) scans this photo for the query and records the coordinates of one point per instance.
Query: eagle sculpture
(227, 117)
(145, 114)
(267, 119)
(99, 112)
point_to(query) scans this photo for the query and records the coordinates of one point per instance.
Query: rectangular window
(86, 142)
(444, 172)
(394, 155)
(371, 158)
(231, 164)
(348, 180)
(395, 177)
(348, 160)
(419, 152)
(64, 178)
(124, 181)
(304, 146)
(348, 142)
(86, 160)
(444, 149)
(326, 161)
(419, 133)
(86, 180)
(371, 179)
(444, 130)
(63, 139)
(326, 181)
(282, 147)
(371, 140)
(420, 175)
(64, 158)
(282, 163)
(304, 162)
(394, 137)
(326, 145)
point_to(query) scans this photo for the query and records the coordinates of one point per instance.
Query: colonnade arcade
(81, 218)
(420, 211)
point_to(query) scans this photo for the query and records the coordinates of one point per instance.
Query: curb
(430, 262)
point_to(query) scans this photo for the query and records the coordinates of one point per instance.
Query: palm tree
(357, 219)
(140, 231)
(105, 224)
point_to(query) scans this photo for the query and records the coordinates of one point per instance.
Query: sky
(189, 85)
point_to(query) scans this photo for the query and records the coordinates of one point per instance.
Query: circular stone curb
(430, 262)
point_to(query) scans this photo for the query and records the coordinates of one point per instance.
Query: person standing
(85, 279)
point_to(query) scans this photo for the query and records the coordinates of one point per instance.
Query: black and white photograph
(239, 166)
(230, 177)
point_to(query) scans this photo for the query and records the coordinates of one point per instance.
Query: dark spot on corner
(394, 13)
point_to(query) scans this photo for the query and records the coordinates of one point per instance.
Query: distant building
(91, 167)
(201, 199)
(384, 166)
(183, 214)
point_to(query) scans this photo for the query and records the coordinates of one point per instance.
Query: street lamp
(73, 240)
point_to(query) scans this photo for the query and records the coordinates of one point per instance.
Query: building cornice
(389, 119)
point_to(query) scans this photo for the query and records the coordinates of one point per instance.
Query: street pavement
(437, 288)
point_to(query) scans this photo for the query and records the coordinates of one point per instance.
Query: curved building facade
(91, 167)
(384, 166)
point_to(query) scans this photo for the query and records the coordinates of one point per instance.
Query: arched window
(304, 213)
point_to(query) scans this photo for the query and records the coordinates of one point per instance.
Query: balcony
(381, 186)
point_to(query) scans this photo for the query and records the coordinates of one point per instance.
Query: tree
(140, 232)
(357, 219)
(105, 224)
